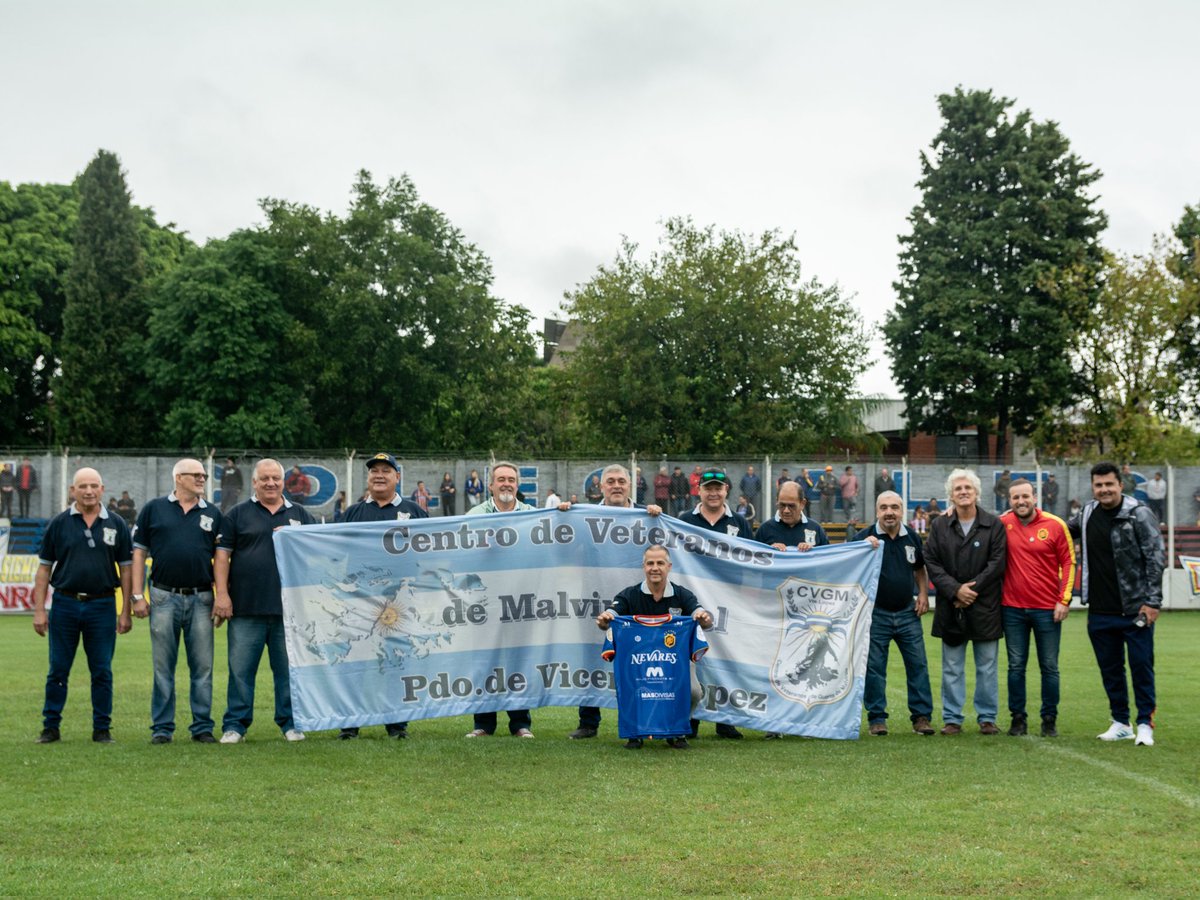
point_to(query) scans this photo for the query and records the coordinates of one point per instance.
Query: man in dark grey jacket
(1123, 562)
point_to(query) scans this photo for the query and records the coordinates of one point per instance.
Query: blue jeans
(95, 621)
(904, 628)
(954, 681)
(171, 614)
(1018, 623)
(248, 635)
(1111, 636)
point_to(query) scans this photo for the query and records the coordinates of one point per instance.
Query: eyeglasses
(200, 475)
(87, 533)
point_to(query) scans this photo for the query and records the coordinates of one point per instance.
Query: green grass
(436, 814)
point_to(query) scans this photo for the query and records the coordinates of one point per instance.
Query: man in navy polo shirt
(179, 533)
(82, 549)
(791, 529)
(383, 505)
(249, 597)
(714, 514)
(897, 617)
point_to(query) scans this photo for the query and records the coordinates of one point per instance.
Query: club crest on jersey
(810, 536)
(731, 530)
(206, 523)
(110, 536)
(814, 665)
(295, 523)
(1043, 534)
(910, 553)
(669, 639)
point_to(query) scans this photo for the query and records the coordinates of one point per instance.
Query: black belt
(187, 592)
(84, 598)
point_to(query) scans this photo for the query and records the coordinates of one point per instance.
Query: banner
(16, 577)
(396, 621)
(1192, 565)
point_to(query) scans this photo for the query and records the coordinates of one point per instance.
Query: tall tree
(1185, 265)
(104, 318)
(714, 345)
(1000, 269)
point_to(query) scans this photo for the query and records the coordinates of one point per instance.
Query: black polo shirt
(730, 524)
(246, 533)
(180, 544)
(805, 531)
(370, 511)
(901, 556)
(636, 600)
(77, 568)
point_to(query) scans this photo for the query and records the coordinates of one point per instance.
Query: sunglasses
(713, 476)
(87, 533)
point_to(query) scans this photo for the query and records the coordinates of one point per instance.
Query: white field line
(1191, 801)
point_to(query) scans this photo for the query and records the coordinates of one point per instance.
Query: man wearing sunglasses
(713, 513)
(179, 533)
(82, 550)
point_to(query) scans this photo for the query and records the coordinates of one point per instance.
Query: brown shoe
(951, 728)
(988, 728)
(922, 726)
(879, 729)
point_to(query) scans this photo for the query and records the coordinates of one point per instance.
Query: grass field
(436, 814)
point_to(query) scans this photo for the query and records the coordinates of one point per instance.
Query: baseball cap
(714, 473)
(829, 468)
(384, 458)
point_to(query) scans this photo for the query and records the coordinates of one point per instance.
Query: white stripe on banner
(397, 621)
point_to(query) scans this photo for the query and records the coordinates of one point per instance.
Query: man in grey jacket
(1123, 560)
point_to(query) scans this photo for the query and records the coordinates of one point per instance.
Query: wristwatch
(138, 596)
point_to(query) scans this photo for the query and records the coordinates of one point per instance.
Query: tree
(1000, 269)
(1126, 362)
(714, 345)
(95, 398)
(1184, 264)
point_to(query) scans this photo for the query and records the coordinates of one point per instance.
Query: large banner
(396, 621)
(16, 577)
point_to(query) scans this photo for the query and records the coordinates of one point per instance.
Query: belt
(186, 592)
(84, 598)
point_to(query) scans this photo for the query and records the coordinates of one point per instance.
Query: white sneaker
(1117, 732)
(1145, 736)
(231, 737)
(293, 735)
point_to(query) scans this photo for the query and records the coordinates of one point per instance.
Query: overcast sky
(546, 130)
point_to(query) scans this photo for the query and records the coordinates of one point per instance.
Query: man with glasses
(791, 529)
(82, 550)
(179, 533)
(713, 513)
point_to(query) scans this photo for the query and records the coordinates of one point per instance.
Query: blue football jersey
(652, 658)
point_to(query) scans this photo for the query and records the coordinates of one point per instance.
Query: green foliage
(997, 274)
(1185, 265)
(715, 345)
(1127, 364)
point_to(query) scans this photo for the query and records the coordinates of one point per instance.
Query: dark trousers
(517, 719)
(6, 504)
(23, 501)
(95, 622)
(448, 504)
(1019, 622)
(589, 717)
(1112, 637)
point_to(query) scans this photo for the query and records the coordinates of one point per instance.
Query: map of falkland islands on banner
(417, 619)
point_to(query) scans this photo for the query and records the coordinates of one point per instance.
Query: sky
(546, 130)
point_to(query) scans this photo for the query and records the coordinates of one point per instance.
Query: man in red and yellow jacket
(1037, 597)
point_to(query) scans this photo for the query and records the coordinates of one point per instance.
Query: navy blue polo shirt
(730, 524)
(805, 531)
(78, 568)
(636, 600)
(370, 511)
(246, 533)
(901, 555)
(180, 544)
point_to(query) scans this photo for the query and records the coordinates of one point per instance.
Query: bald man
(82, 551)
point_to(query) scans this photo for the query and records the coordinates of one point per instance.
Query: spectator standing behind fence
(231, 484)
(447, 494)
(641, 486)
(680, 492)
(1156, 495)
(594, 492)
(1000, 489)
(965, 557)
(806, 483)
(828, 488)
(296, 487)
(420, 496)
(127, 509)
(920, 521)
(1128, 481)
(884, 482)
(27, 483)
(473, 489)
(662, 488)
(8, 487)
(849, 485)
(751, 487)
(1050, 495)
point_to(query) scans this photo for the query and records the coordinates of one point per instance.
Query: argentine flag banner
(422, 618)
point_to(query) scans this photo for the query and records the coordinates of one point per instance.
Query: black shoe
(634, 744)
(1020, 727)
(679, 743)
(582, 733)
(48, 736)
(347, 734)
(204, 737)
(159, 739)
(399, 731)
(1050, 726)
(103, 736)
(729, 733)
